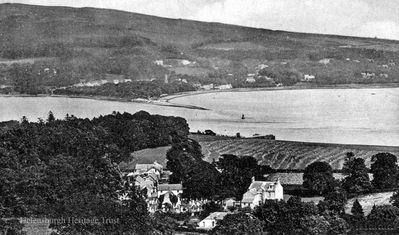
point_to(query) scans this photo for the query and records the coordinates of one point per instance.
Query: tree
(357, 210)
(281, 217)
(236, 174)
(357, 180)
(314, 225)
(383, 215)
(318, 178)
(240, 224)
(209, 208)
(185, 161)
(334, 201)
(385, 170)
(50, 117)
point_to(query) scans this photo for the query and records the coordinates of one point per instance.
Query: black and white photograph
(194, 117)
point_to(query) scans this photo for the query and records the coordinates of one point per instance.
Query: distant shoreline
(166, 100)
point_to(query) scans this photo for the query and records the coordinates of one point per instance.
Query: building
(308, 78)
(260, 191)
(210, 222)
(229, 203)
(207, 87)
(224, 87)
(250, 80)
(169, 197)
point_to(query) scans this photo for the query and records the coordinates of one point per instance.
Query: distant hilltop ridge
(87, 45)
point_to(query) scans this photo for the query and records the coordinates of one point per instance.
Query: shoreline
(166, 100)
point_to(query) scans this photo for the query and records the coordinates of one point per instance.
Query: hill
(286, 154)
(88, 44)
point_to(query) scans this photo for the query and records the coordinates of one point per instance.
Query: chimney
(253, 178)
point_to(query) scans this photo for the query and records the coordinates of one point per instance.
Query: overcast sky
(367, 18)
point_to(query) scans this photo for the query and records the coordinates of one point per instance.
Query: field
(277, 154)
(146, 156)
(287, 154)
(368, 201)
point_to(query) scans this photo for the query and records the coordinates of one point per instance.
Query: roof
(170, 187)
(261, 186)
(216, 216)
(248, 197)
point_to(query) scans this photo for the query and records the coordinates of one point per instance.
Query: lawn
(369, 200)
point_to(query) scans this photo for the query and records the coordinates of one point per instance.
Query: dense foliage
(318, 178)
(131, 90)
(239, 224)
(68, 169)
(357, 180)
(385, 170)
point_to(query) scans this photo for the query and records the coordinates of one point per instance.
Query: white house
(260, 191)
(207, 87)
(159, 62)
(210, 222)
(224, 87)
(308, 78)
(250, 80)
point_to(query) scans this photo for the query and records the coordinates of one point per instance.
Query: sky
(364, 18)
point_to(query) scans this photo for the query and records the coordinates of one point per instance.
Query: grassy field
(369, 200)
(287, 154)
(146, 156)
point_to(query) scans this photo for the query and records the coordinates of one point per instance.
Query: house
(260, 191)
(229, 202)
(366, 75)
(250, 80)
(385, 66)
(207, 87)
(148, 168)
(174, 188)
(159, 62)
(324, 61)
(170, 195)
(384, 75)
(224, 87)
(210, 222)
(308, 78)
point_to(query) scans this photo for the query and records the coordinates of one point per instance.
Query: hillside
(287, 154)
(88, 44)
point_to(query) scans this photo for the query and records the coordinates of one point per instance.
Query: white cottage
(260, 191)
(210, 222)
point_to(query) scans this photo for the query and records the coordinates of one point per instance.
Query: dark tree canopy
(68, 168)
(239, 224)
(385, 170)
(236, 174)
(357, 210)
(185, 161)
(318, 178)
(357, 180)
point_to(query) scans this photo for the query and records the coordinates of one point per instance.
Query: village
(152, 180)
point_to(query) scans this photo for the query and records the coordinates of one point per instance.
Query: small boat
(243, 117)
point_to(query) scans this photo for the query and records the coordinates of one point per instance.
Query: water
(351, 116)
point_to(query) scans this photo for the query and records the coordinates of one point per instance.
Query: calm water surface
(353, 116)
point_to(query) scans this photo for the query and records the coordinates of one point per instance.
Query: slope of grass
(287, 154)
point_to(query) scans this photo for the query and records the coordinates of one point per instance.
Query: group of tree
(297, 217)
(318, 176)
(69, 169)
(230, 176)
(130, 90)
